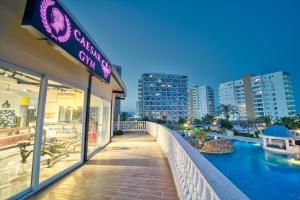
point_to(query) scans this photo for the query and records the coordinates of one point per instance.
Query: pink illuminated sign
(53, 21)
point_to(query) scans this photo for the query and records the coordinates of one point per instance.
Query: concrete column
(286, 143)
(264, 141)
(24, 104)
(270, 140)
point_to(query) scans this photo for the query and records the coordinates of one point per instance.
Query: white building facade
(201, 101)
(278, 96)
(260, 95)
(162, 96)
(232, 93)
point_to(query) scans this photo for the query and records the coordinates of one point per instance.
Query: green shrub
(118, 132)
(256, 133)
(192, 143)
(226, 124)
(236, 133)
(178, 128)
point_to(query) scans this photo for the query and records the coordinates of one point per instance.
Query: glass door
(95, 123)
(99, 123)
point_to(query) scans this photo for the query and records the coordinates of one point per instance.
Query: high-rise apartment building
(260, 95)
(163, 96)
(232, 93)
(201, 102)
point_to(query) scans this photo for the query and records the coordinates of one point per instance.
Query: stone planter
(219, 146)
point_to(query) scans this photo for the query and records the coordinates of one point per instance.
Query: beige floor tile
(132, 166)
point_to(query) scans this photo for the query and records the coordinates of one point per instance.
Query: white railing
(195, 177)
(131, 125)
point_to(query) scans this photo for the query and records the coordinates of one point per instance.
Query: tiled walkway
(131, 167)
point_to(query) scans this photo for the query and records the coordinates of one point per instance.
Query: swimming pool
(259, 174)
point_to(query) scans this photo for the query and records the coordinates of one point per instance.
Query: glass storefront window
(62, 130)
(99, 123)
(18, 113)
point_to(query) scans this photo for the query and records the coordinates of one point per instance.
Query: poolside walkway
(132, 166)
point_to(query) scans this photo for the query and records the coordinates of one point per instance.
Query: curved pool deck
(132, 166)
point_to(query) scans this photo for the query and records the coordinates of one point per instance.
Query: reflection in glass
(18, 113)
(62, 130)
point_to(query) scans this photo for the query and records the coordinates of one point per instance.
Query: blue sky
(210, 41)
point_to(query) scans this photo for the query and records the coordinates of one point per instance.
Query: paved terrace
(132, 166)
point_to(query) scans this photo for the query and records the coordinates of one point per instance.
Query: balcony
(149, 161)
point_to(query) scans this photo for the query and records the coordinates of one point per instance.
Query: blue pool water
(259, 174)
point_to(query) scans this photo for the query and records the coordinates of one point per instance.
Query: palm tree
(298, 122)
(228, 110)
(266, 120)
(124, 116)
(196, 121)
(208, 119)
(202, 136)
(182, 120)
(289, 122)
